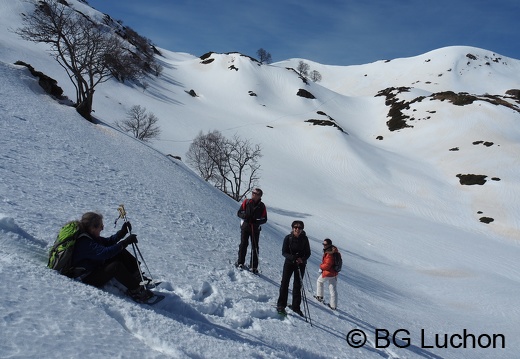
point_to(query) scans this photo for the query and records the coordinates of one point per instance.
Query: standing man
(296, 250)
(253, 214)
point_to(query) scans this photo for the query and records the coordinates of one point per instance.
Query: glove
(127, 227)
(128, 240)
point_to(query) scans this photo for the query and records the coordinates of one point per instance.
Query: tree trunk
(84, 108)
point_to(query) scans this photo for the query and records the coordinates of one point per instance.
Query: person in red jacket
(253, 214)
(328, 274)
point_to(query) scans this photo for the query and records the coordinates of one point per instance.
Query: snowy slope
(416, 255)
(455, 68)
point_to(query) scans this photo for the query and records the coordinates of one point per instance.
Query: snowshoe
(333, 308)
(149, 283)
(281, 311)
(297, 311)
(140, 294)
(145, 296)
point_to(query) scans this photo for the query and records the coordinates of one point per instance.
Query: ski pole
(144, 262)
(304, 296)
(135, 248)
(142, 283)
(310, 282)
(306, 303)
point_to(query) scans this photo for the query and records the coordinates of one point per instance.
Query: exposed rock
(471, 179)
(486, 220)
(325, 123)
(47, 83)
(305, 93)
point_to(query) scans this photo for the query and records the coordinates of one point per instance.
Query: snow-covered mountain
(376, 161)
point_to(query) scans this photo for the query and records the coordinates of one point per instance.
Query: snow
(416, 257)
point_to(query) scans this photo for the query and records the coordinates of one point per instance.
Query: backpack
(60, 255)
(338, 262)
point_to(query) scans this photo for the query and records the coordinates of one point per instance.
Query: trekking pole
(310, 282)
(304, 296)
(142, 283)
(145, 265)
(135, 248)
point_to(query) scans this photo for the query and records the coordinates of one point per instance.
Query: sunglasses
(298, 227)
(256, 193)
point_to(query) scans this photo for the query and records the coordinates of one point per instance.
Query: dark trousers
(291, 269)
(246, 232)
(123, 267)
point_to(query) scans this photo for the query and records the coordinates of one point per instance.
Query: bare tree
(88, 53)
(315, 76)
(156, 68)
(242, 161)
(264, 56)
(142, 125)
(204, 153)
(303, 68)
(231, 165)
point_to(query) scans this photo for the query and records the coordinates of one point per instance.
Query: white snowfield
(423, 276)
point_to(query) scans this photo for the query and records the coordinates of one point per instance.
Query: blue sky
(331, 32)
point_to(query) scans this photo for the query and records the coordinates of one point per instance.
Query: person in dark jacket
(296, 250)
(253, 214)
(98, 259)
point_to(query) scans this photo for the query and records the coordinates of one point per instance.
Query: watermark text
(402, 338)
